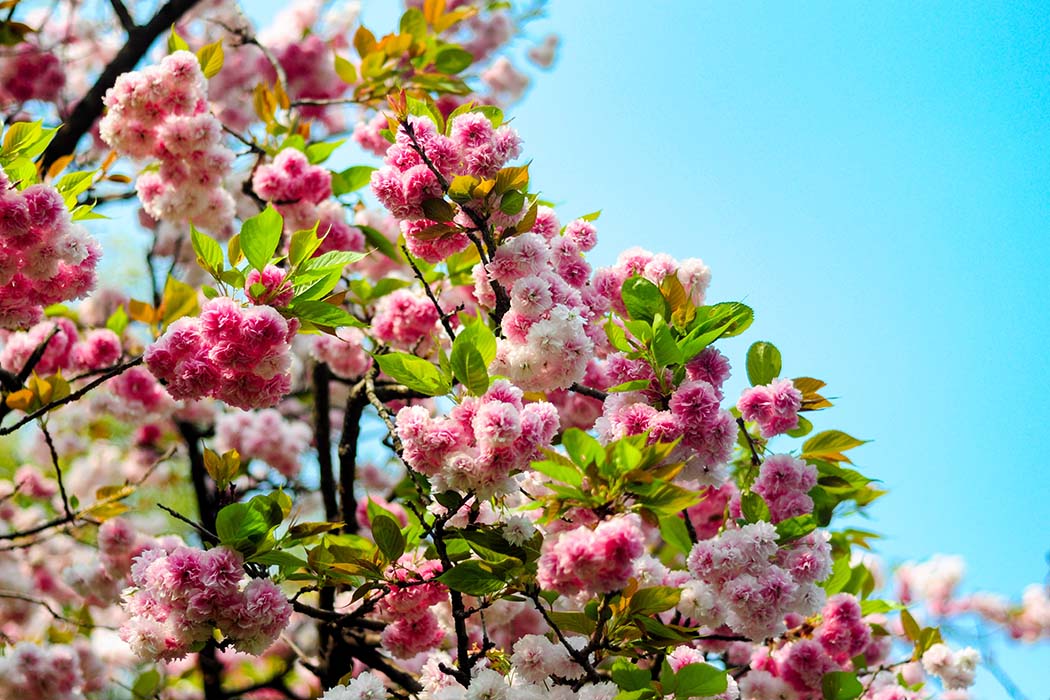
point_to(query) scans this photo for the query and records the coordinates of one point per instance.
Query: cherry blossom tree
(383, 430)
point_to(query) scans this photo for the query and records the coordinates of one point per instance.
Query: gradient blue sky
(874, 180)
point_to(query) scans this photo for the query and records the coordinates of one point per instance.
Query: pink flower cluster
(100, 582)
(783, 483)
(694, 275)
(694, 416)
(403, 318)
(747, 582)
(180, 595)
(264, 435)
(481, 441)
(596, 561)
(30, 74)
(308, 64)
(239, 355)
(414, 627)
(52, 672)
(536, 658)
(550, 330)
(472, 147)
(97, 349)
(302, 193)
(774, 406)
(344, 353)
(955, 669)
(44, 257)
(162, 112)
(275, 291)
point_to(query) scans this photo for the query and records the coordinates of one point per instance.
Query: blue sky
(874, 180)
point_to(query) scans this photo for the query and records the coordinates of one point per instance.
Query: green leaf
(332, 260)
(559, 472)
(210, 57)
(453, 59)
(323, 314)
(388, 537)
(437, 209)
(118, 321)
(656, 599)
(320, 152)
(415, 373)
(665, 349)
(633, 385)
(840, 574)
(830, 442)
(643, 299)
(582, 447)
(754, 507)
(209, 253)
(351, 179)
(304, 243)
(380, 242)
(699, 681)
(629, 677)
(260, 237)
(878, 607)
(472, 352)
(512, 202)
(675, 533)
(841, 685)
(345, 70)
(763, 363)
(805, 427)
(176, 42)
(794, 528)
(241, 526)
(147, 684)
(413, 22)
(472, 577)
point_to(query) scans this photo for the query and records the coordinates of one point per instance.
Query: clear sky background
(874, 180)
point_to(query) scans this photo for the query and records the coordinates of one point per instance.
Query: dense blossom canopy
(383, 430)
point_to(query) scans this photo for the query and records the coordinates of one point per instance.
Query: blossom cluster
(344, 353)
(956, 669)
(179, 595)
(161, 112)
(265, 435)
(65, 349)
(45, 258)
(29, 73)
(236, 354)
(473, 147)
(783, 483)
(549, 334)
(52, 672)
(480, 442)
(773, 406)
(599, 560)
(413, 625)
(302, 193)
(747, 582)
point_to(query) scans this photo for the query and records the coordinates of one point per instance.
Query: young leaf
(415, 373)
(763, 363)
(643, 299)
(388, 537)
(471, 577)
(260, 237)
(210, 57)
(351, 179)
(209, 253)
(453, 59)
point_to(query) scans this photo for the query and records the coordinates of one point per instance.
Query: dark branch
(123, 15)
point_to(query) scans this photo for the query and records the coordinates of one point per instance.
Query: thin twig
(58, 469)
(430, 293)
(76, 395)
